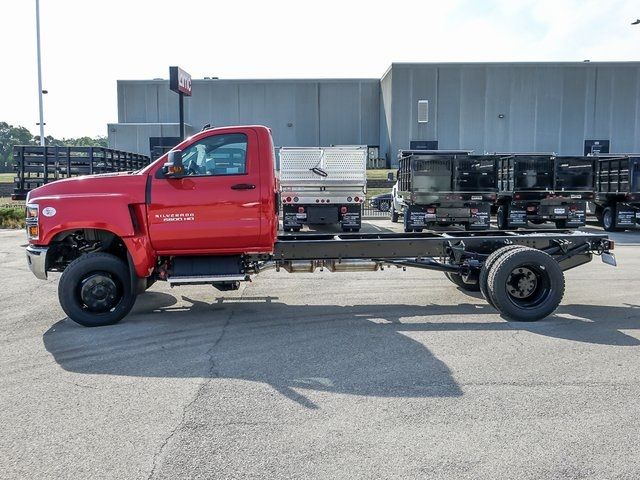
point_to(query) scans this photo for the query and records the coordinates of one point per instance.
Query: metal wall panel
(528, 107)
(299, 112)
(516, 107)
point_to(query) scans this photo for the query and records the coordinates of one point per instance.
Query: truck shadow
(359, 349)
(292, 348)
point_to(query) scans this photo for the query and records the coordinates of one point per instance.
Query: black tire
(502, 217)
(486, 266)
(609, 219)
(103, 279)
(384, 206)
(297, 229)
(526, 285)
(537, 221)
(457, 279)
(286, 229)
(395, 216)
(561, 224)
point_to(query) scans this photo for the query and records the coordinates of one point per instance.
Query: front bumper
(36, 258)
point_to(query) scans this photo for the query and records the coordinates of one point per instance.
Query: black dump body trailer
(544, 187)
(447, 188)
(618, 191)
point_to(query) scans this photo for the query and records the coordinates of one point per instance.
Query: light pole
(39, 73)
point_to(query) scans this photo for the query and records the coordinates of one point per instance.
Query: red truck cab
(222, 203)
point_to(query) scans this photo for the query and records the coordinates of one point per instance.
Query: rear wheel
(487, 265)
(526, 285)
(384, 206)
(609, 219)
(395, 216)
(457, 279)
(562, 224)
(502, 217)
(95, 290)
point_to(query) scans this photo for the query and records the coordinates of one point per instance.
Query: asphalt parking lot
(362, 375)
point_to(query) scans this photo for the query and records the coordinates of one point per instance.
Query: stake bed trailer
(113, 235)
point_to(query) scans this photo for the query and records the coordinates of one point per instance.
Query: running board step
(206, 279)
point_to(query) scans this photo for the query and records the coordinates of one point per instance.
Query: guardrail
(37, 165)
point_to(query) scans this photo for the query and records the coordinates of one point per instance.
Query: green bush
(12, 217)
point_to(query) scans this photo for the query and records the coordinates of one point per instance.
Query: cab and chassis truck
(446, 188)
(216, 222)
(618, 192)
(541, 188)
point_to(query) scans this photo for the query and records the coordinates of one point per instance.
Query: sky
(87, 45)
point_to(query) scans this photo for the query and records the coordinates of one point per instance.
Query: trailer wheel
(526, 285)
(395, 216)
(487, 265)
(457, 279)
(609, 219)
(502, 217)
(95, 290)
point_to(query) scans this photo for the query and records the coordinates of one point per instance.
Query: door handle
(243, 186)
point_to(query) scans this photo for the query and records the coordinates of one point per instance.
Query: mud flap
(625, 216)
(517, 217)
(291, 218)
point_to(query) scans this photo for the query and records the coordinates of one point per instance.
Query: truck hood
(125, 184)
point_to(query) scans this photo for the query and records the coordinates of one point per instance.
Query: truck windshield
(432, 174)
(534, 172)
(574, 173)
(474, 174)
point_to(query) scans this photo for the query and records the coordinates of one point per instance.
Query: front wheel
(95, 290)
(526, 285)
(384, 206)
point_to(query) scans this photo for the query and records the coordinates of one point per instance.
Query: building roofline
(260, 80)
(518, 64)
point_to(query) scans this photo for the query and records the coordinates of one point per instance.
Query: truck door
(215, 207)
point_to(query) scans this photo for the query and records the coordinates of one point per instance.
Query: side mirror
(173, 168)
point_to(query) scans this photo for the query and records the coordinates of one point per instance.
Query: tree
(10, 136)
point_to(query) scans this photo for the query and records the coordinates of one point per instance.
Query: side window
(217, 155)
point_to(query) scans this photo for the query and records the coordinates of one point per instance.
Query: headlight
(32, 211)
(33, 232)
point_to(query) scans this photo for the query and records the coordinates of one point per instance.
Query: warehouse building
(568, 108)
